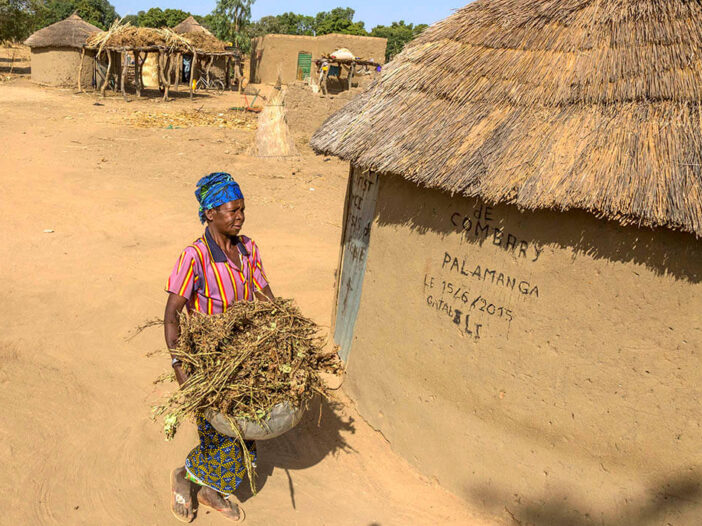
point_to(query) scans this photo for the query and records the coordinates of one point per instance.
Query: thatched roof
(71, 32)
(190, 25)
(590, 104)
(126, 36)
(205, 42)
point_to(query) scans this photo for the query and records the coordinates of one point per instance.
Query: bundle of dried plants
(246, 361)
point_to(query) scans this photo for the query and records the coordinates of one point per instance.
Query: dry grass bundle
(273, 138)
(205, 42)
(173, 41)
(191, 119)
(127, 36)
(244, 362)
(589, 104)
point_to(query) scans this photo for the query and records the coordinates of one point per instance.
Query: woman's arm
(171, 329)
(266, 294)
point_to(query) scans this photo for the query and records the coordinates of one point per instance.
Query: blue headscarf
(214, 190)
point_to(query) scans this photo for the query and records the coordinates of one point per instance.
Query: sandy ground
(77, 445)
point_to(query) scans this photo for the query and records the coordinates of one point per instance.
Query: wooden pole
(227, 75)
(193, 65)
(324, 81)
(239, 75)
(114, 84)
(209, 67)
(122, 81)
(179, 69)
(159, 68)
(169, 62)
(107, 73)
(137, 78)
(80, 70)
(141, 69)
(173, 71)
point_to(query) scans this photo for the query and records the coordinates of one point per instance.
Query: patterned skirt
(218, 462)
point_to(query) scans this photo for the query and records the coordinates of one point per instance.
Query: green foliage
(398, 35)
(206, 21)
(285, 24)
(154, 17)
(338, 20)
(157, 17)
(175, 16)
(17, 19)
(229, 21)
(100, 13)
(131, 20)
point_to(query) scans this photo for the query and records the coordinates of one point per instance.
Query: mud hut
(221, 64)
(190, 25)
(520, 281)
(56, 52)
(290, 57)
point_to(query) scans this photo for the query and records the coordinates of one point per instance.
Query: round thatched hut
(190, 25)
(203, 39)
(520, 288)
(56, 50)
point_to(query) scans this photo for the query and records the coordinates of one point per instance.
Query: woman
(218, 269)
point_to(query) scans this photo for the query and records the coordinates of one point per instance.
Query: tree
(131, 20)
(175, 16)
(17, 19)
(206, 21)
(398, 35)
(338, 20)
(294, 24)
(100, 13)
(154, 17)
(285, 24)
(230, 17)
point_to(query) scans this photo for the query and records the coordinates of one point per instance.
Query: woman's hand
(265, 295)
(180, 374)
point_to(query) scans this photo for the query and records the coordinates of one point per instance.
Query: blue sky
(372, 12)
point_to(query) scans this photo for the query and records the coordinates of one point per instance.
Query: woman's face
(228, 218)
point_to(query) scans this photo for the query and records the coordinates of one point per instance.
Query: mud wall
(274, 55)
(363, 47)
(59, 67)
(543, 366)
(149, 71)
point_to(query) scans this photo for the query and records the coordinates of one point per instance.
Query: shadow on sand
(668, 501)
(319, 434)
(16, 70)
(155, 93)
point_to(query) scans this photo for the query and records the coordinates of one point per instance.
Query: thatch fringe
(591, 104)
(204, 42)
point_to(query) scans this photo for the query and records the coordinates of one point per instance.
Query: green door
(304, 65)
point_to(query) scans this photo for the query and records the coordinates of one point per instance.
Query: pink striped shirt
(210, 281)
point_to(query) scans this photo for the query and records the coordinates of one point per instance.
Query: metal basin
(281, 420)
